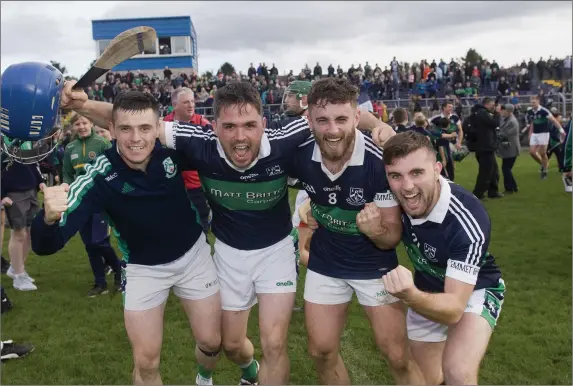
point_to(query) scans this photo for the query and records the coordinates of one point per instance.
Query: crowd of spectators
(398, 81)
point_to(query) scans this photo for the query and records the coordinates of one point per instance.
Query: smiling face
(334, 116)
(82, 127)
(334, 128)
(414, 180)
(135, 133)
(240, 129)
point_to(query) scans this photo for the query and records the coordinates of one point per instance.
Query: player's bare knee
(19, 235)
(210, 345)
(396, 355)
(146, 362)
(455, 374)
(273, 347)
(322, 353)
(232, 347)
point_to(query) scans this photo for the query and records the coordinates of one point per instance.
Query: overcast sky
(291, 34)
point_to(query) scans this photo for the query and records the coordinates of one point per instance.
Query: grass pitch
(83, 341)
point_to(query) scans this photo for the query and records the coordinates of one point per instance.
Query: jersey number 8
(332, 198)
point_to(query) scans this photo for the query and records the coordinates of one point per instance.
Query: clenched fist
(369, 220)
(72, 99)
(382, 133)
(399, 282)
(55, 202)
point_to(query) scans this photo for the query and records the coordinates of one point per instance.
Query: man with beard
(244, 169)
(359, 226)
(456, 295)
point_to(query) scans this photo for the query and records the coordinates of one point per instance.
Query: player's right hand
(7, 201)
(382, 133)
(72, 99)
(55, 202)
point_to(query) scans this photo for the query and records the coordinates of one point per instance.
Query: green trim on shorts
(294, 234)
(493, 302)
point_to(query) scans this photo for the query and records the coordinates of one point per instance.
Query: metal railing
(563, 102)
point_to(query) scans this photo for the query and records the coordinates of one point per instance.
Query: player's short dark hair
(239, 94)
(401, 145)
(445, 104)
(442, 123)
(135, 101)
(333, 91)
(400, 115)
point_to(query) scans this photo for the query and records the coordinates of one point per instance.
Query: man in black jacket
(485, 121)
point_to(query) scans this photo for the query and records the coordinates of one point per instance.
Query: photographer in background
(509, 147)
(482, 139)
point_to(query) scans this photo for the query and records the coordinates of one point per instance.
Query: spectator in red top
(183, 102)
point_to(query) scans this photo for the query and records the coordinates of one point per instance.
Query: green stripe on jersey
(422, 264)
(81, 186)
(245, 195)
(336, 219)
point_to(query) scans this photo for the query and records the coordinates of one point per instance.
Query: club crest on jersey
(92, 154)
(170, 168)
(356, 197)
(430, 252)
(274, 170)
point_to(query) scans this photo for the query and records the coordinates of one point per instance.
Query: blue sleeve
(468, 238)
(291, 131)
(195, 143)
(85, 198)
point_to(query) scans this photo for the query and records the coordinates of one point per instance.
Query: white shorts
(541, 139)
(321, 289)
(486, 302)
(367, 106)
(244, 274)
(192, 276)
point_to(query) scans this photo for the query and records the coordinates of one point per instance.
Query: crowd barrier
(563, 102)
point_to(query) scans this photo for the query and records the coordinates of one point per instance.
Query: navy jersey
(540, 119)
(337, 248)
(151, 214)
(451, 241)
(250, 206)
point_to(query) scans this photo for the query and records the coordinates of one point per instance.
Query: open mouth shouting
(241, 151)
(412, 201)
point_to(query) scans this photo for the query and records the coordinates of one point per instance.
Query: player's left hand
(369, 221)
(381, 133)
(399, 282)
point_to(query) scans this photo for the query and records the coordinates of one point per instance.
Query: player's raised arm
(100, 113)
(381, 131)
